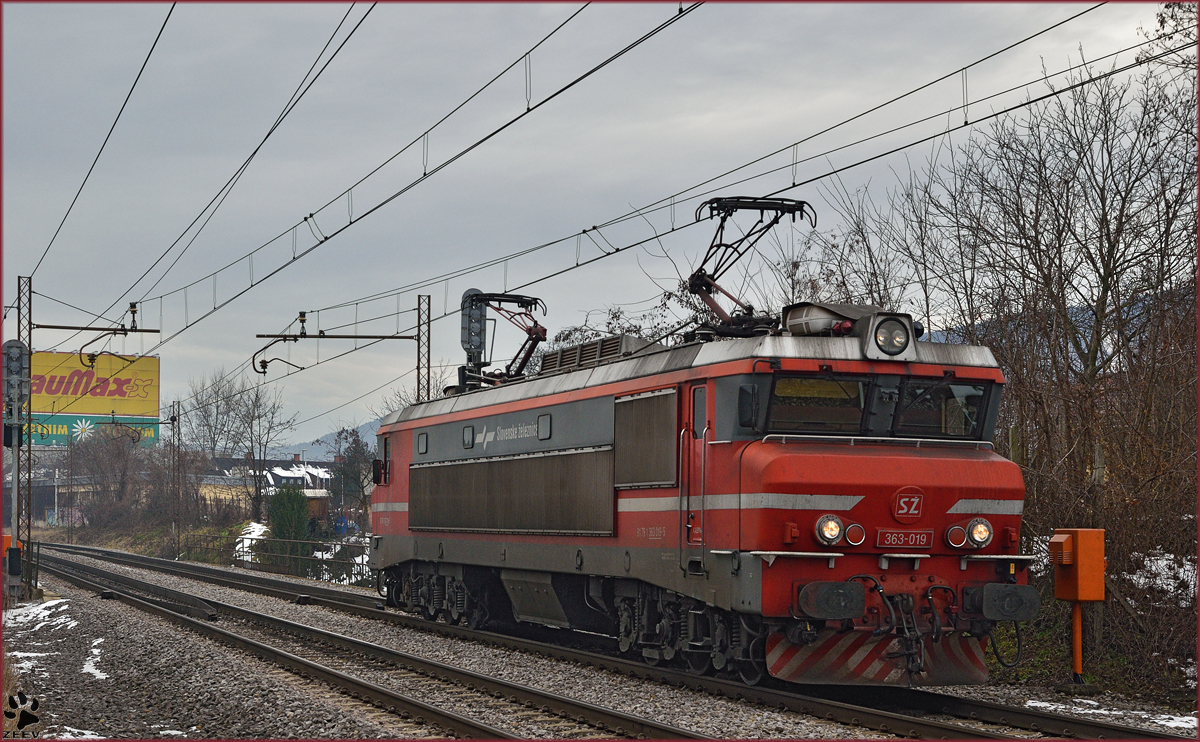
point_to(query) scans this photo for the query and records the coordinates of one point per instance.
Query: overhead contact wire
(105, 142)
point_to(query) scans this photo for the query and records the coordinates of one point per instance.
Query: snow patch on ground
(243, 549)
(73, 733)
(52, 613)
(90, 666)
(1084, 707)
(1171, 574)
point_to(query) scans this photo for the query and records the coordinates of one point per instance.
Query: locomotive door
(691, 506)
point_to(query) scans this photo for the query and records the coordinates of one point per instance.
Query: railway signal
(475, 304)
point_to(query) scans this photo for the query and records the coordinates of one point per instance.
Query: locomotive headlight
(956, 536)
(979, 533)
(829, 529)
(891, 336)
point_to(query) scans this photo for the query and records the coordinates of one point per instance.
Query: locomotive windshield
(939, 409)
(918, 408)
(801, 405)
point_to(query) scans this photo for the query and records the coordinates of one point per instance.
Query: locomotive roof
(685, 356)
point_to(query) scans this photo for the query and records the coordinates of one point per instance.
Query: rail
(821, 702)
(853, 714)
(607, 719)
(456, 724)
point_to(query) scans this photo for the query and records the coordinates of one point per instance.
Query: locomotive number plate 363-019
(904, 539)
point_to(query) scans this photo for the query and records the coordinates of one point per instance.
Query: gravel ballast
(714, 716)
(100, 668)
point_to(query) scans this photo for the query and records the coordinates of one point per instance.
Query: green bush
(288, 511)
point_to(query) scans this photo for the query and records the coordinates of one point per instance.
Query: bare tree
(1064, 238)
(352, 470)
(211, 415)
(443, 374)
(1176, 26)
(110, 463)
(261, 426)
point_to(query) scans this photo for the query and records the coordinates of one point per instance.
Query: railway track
(859, 706)
(341, 660)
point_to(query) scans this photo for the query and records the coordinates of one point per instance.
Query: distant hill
(324, 445)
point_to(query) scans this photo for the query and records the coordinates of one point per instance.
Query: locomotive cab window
(940, 409)
(469, 436)
(817, 405)
(699, 411)
(387, 460)
(422, 443)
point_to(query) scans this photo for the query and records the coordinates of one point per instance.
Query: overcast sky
(726, 84)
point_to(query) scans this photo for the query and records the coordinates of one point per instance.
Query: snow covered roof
(302, 470)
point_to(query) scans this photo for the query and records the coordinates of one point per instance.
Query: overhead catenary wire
(996, 114)
(72, 306)
(421, 137)
(303, 88)
(633, 45)
(105, 143)
(671, 200)
(681, 227)
(690, 8)
(483, 265)
(909, 145)
(219, 198)
(325, 237)
(835, 171)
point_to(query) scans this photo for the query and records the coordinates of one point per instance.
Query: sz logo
(21, 709)
(907, 504)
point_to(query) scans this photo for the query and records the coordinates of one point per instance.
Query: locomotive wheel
(430, 612)
(402, 595)
(626, 626)
(669, 631)
(751, 672)
(652, 657)
(477, 615)
(720, 650)
(699, 663)
(477, 612)
(453, 616)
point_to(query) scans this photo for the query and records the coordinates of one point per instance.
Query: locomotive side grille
(563, 492)
(591, 353)
(645, 440)
(610, 348)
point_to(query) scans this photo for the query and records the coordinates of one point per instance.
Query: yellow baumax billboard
(124, 385)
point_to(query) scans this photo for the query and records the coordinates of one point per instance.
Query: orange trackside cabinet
(1078, 558)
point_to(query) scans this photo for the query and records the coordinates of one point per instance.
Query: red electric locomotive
(812, 496)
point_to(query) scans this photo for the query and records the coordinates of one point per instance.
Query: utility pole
(24, 447)
(424, 393)
(70, 491)
(176, 478)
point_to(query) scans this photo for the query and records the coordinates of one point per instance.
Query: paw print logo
(21, 708)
